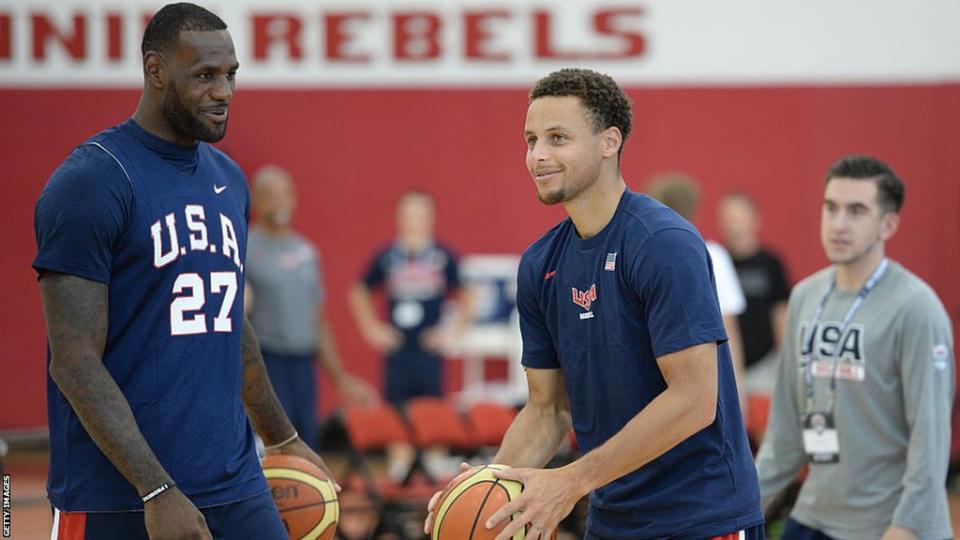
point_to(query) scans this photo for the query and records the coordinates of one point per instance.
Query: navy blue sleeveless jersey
(603, 310)
(165, 227)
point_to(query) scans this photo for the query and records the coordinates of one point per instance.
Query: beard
(189, 124)
(553, 197)
(572, 188)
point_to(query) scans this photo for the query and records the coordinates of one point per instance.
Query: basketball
(469, 500)
(305, 497)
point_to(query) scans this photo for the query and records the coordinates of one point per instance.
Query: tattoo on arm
(76, 314)
(261, 402)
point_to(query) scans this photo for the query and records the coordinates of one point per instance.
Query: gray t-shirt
(894, 397)
(284, 274)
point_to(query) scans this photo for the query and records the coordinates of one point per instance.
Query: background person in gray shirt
(285, 296)
(866, 381)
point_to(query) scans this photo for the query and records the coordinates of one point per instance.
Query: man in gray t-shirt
(285, 297)
(866, 379)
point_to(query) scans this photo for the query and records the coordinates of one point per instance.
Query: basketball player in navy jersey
(152, 368)
(623, 339)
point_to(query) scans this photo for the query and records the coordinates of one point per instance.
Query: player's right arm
(545, 420)
(541, 425)
(75, 311)
(80, 215)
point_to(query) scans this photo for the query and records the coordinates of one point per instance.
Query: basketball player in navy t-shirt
(152, 368)
(622, 334)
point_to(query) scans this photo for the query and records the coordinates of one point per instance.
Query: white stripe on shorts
(56, 525)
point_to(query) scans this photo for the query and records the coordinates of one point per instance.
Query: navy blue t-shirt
(603, 310)
(416, 284)
(165, 227)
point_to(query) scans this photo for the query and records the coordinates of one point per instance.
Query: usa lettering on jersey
(585, 299)
(189, 303)
(830, 351)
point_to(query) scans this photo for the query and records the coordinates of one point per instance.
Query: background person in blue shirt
(418, 276)
(152, 367)
(623, 339)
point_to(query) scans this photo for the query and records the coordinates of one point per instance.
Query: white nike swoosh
(218, 189)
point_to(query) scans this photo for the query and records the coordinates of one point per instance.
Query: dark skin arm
(264, 409)
(76, 315)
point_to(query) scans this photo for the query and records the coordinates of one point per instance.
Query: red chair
(371, 430)
(758, 410)
(374, 427)
(489, 423)
(435, 422)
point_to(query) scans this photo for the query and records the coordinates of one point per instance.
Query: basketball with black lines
(305, 497)
(468, 502)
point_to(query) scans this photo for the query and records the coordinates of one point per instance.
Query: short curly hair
(163, 31)
(606, 104)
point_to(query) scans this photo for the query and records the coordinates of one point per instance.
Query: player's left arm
(927, 378)
(686, 406)
(263, 407)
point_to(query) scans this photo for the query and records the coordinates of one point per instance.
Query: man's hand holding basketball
(432, 505)
(549, 495)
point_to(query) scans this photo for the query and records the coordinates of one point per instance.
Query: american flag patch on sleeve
(611, 263)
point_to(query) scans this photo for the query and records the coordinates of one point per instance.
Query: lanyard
(807, 359)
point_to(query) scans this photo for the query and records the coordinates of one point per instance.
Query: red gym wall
(353, 151)
(363, 103)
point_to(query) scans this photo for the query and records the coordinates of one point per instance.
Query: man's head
(739, 224)
(676, 190)
(861, 206)
(415, 216)
(274, 197)
(189, 66)
(577, 122)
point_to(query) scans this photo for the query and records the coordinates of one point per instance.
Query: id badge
(820, 440)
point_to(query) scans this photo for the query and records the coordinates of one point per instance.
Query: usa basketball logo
(585, 299)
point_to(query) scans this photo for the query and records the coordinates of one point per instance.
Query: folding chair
(488, 423)
(434, 422)
(371, 430)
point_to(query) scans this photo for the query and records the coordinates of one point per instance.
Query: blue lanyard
(807, 359)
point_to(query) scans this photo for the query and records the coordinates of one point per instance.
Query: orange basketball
(305, 497)
(468, 502)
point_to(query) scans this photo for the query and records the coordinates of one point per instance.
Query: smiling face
(564, 151)
(200, 85)
(853, 225)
